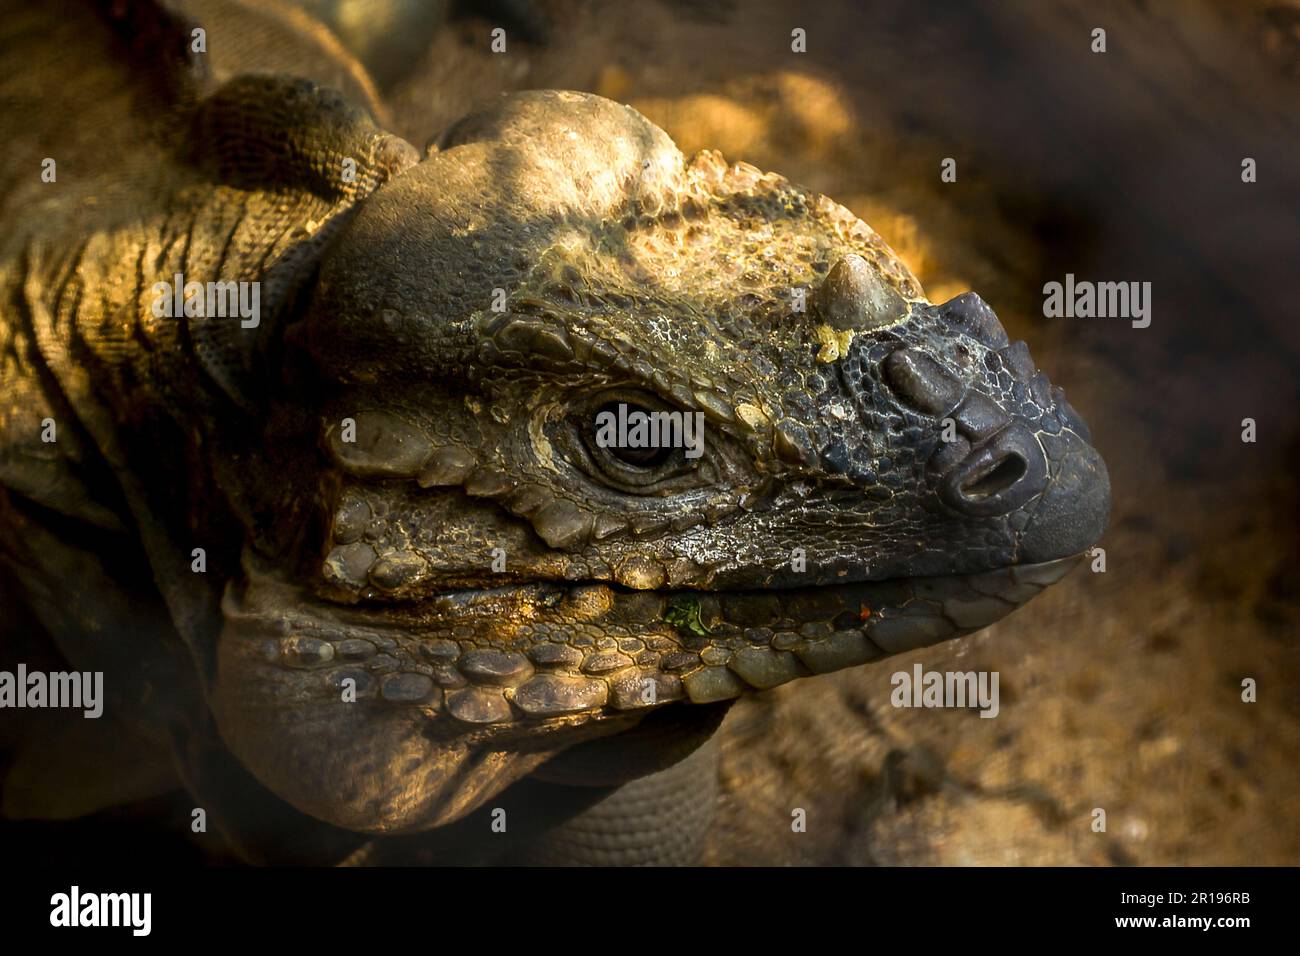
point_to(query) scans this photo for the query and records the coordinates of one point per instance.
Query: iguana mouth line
(559, 587)
(544, 651)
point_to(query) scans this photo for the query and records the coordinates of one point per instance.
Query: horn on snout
(855, 296)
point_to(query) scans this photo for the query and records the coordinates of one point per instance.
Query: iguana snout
(1011, 442)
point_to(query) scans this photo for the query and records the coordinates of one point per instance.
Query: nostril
(998, 476)
(995, 481)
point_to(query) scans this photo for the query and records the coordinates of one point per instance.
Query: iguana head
(495, 581)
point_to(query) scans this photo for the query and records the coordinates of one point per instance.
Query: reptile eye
(632, 442)
(634, 455)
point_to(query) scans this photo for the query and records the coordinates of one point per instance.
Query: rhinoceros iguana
(299, 447)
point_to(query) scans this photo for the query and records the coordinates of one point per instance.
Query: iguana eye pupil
(642, 457)
(637, 446)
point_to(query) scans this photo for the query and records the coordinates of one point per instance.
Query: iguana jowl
(425, 579)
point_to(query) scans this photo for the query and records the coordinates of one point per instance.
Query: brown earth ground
(1121, 690)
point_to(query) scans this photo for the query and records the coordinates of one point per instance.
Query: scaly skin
(827, 524)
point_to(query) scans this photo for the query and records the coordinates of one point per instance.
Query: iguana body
(424, 578)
